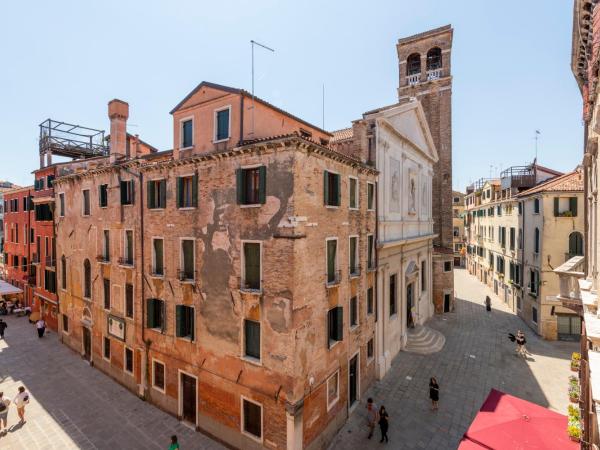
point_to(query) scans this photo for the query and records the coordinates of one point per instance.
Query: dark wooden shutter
(252, 265)
(325, 188)
(331, 257)
(163, 318)
(123, 187)
(163, 193)
(556, 202)
(179, 192)
(150, 195)
(339, 322)
(179, 320)
(338, 189)
(239, 183)
(573, 206)
(150, 313)
(132, 192)
(262, 184)
(195, 190)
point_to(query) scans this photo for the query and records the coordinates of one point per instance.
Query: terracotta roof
(572, 181)
(342, 135)
(246, 94)
(547, 169)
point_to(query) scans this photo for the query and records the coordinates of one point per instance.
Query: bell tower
(424, 62)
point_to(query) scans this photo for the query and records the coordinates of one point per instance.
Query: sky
(510, 62)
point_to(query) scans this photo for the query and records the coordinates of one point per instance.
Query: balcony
(333, 279)
(569, 275)
(414, 79)
(434, 74)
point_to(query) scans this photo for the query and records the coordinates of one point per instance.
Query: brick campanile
(424, 62)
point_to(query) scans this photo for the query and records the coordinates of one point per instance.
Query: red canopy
(511, 423)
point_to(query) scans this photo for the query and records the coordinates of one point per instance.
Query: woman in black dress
(383, 423)
(434, 393)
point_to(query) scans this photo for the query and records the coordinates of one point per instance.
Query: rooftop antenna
(323, 100)
(537, 134)
(252, 44)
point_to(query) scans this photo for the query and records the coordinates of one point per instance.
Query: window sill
(217, 141)
(252, 360)
(332, 206)
(104, 261)
(186, 148)
(187, 281)
(331, 405)
(162, 391)
(370, 360)
(253, 437)
(370, 209)
(371, 269)
(393, 317)
(157, 330)
(252, 205)
(185, 339)
(101, 207)
(332, 344)
(159, 276)
(87, 299)
(186, 208)
(353, 328)
(128, 372)
(354, 208)
(156, 209)
(126, 266)
(251, 291)
(106, 359)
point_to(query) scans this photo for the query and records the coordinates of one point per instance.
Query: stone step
(424, 340)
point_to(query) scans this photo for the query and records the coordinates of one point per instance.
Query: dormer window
(187, 128)
(222, 124)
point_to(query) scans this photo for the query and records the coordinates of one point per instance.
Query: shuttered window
(252, 338)
(129, 300)
(332, 275)
(187, 260)
(565, 206)
(370, 196)
(536, 240)
(252, 270)
(370, 251)
(61, 204)
(106, 284)
(393, 294)
(157, 194)
(353, 193)
(187, 192)
(103, 195)
(128, 256)
(155, 309)
(158, 375)
(184, 321)
(251, 185)
(335, 325)
(127, 192)
(354, 267)
(187, 134)
(157, 257)
(87, 279)
(222, 128)
(331, 188)
(106, 245)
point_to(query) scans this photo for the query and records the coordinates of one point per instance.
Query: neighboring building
(458, 228)
(425, 74)
(397, 141)
(228, 281)
(4, 186)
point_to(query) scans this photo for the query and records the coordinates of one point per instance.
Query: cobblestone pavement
(74, 405)
(477, 356)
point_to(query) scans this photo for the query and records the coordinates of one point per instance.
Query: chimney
(118, 113)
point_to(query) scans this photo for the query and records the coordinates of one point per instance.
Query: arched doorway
(411, 275)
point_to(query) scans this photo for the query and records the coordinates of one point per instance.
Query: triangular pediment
(204, 92)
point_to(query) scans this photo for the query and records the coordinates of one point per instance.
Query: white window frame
(341, 196)
(374, 199)
(356, 255)
(337, 397)
(124, 249)
(104, 337)
(181, 338)
(105, 249)
(125, 316)
(251, 359)
(337, 254)
(164, 376)
(223, 108)
(83, 214)
(181, 121)
(356, 193)
(103, 207)
(125, 348)
(246, 167)
(243, 263)
(181, 258)
(350, 326)
(262, 421)
(180, 392)
(154, 274)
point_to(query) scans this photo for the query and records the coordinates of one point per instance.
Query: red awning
(511, 423)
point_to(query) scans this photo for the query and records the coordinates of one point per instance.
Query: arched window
(413, 64)
(575, 244)
(536, 206)
(434, 58)
(63, 271)
(536, 242)
(87, 279)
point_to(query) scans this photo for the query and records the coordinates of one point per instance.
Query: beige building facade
(458, 229)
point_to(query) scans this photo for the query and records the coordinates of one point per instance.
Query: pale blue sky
(510, 62)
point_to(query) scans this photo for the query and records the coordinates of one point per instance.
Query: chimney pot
(118, 113)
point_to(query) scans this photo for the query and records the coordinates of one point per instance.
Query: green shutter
(573, 206)
(338, 189)
(132, 184)
(179, 322)
(150, 313)
(163, 193)
(179, 192)
(239, 182)
(150, 195)
(262, 184)
(331, 250)
(163, 307)
(556, 206)
(339, 323)
(325, 187)
(195, 190)
(192, 324)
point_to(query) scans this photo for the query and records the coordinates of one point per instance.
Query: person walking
(41, 327)
(371, 416)
(4, 404)
(20, 400)
(174, 444)
(521, 341)
(488, 303)
(383, 423)
(434, 393)
(3, 326)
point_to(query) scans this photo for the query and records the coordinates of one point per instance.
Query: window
(184, 322)
(335, 325)
(413, 64)
(370, 349)
(251, 185)
(157, 257)
(512, 238)
(187, 191)
(106, 346)
(370, 301)
(252, 339)
(63, 272)
(434, 59)
(106, 285)
(61, 204)
(86, 202)
(536, 241)
(187, 260)
(353, 201)
(565, 206)
(65, 323)
(157, 194)
(331, 186)
(520, 238)
(158, 375)
(447, 266)
(50, 281)
(354, 268)
(370, 196)
(252, 418)
(332, 273)
(533, 282)
(106, 245)
(127, 192)
(128, 247)
(128, 366)
(423, 276)
(222, 124)
(392, 298)
(87, 279)
(251, 270)
(155, 314)
(353, 312)
(575, 244)
(103, 196)
(333, 389)
(519, 303)
(520, 207)
(370, 251)
(50, 180)
(187, 128)
(534, 315)
(129, 300)
(455, 232)
(536, 206)
(43, 212)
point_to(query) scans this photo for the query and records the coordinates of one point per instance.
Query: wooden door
(188, 398)
(87, 344)
(353, 381)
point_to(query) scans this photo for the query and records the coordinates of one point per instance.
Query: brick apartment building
(4, 186)
(230, 280)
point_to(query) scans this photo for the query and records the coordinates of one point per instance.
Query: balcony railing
(333, 279)
(414, 79)
(569, 275)
(434, 74)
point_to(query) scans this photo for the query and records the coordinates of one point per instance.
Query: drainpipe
(585, 203)
(242, 119)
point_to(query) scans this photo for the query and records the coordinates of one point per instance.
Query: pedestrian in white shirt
(20, 400)
(4, 403)
(41, 327)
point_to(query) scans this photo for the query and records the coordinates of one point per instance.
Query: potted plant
(574, 393)
(574, 432)
(575, 361)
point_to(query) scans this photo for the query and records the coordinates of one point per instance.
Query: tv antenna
(252, 44)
